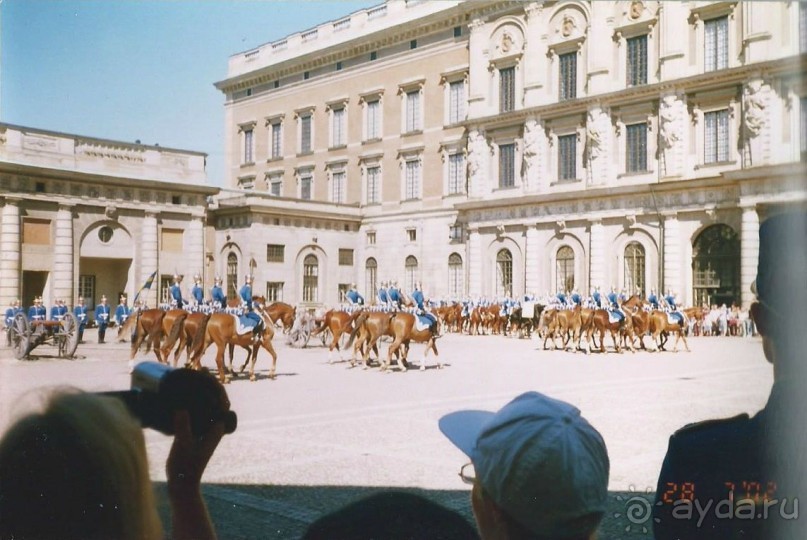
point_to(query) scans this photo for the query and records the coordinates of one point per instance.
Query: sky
(129, 70)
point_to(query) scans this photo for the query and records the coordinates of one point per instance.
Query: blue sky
(127, 70)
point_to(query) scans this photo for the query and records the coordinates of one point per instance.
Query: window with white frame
(275, 182)
(504, 273)
(373, 184)
(370, 277)
(338, 127)
(249, 146)
(371, 238)
(567, 157)
(716, 43)
(306, 184)
(456, 102)
(564, 269)
(338, 186)
(310, 279)
(246, 182)
(634, 268)
(413, 122)
(637, 60)
(716, 136)
(507, 165)
(305, 133)
(274, 291)
(567, 75)
(276, 135)
(455, 233)
(456, 173)
(455, 275)
(86, 289)
(636, 148)
(507, 89)
(410, 272)
(412, 179)
(373, 119)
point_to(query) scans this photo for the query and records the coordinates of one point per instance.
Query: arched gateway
(716, 266)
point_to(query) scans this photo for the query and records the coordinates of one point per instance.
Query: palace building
(493, 148)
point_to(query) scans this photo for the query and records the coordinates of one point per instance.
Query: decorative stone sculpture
(670, 122)
(478, 151)
(754, 108)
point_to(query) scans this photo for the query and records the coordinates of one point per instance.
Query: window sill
(303, 154)
(632, 174)
(411, 133)
(372, 204)
(248, 164)
(416, 199)
(715, 164)
(271, 159)
(505, 188)
(338, 147)
(456, 194)
(566, 181)
(371, 141)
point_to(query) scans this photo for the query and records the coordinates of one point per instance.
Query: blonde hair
(77, 470)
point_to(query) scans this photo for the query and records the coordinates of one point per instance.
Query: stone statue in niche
(506, 43)
(754, 107)
(669, 130)
(477, 147)
(531, 144)
(595, 132)
(567, 26)
(636, 9)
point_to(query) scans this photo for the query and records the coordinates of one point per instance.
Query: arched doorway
(310, 279)
(504, 273)
(411, 272)
(634, 268)
(455, 286)
(564, 269)
(716, 266)
(370, 278)
(232, 276)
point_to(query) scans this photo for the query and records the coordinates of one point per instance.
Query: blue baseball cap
(782, 267)
(539, 460)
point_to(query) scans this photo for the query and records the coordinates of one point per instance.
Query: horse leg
(251, 353)
(436, 354)
(685, 342)
(220, 362)
(180, 346)
(272, 372)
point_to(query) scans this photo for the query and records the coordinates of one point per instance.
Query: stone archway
(716, 266)
(105, 263)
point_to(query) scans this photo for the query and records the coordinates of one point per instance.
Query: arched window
(232, 276)
(411, 273)
(564, 269)
(310, 279)
(370, 278)
(634, 268)
(455, 285)
(716, 266)
(504, 273)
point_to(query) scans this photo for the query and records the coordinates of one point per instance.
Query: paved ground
(320, 435)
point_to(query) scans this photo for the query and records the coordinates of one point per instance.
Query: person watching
(538, 469)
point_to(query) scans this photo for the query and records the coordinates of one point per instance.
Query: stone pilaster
(533, 81)
(597, 253)
(531, 264)
(149, 255)
(474, 262)
(10, 252)
(196, 252)
(672, 255)
(749, 252)
(673, 25)
(63, 282)
(478, 69)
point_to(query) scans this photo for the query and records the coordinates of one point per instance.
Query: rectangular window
(277, 149)
(413, 111)
(86, 289)
(345, 257)
(456, 173)
(305, 134)
(248, 145)
(371, 238)
(373, 185)
(171, 239)
(412, 235)
(274, 291)
(338, 187)
(567, 157)
(716, 44)
(455, 233)
(412, 180)
(165, 289)
(36, 231)
(275, 186)
(338, 127)
(507, 89)
(373, 119)
(636, 146)
(343, 289)
(274, 253)
(305, 187)
(456, 102)
(507, 165)
(568, 75)
(716, 136)
(637, 60)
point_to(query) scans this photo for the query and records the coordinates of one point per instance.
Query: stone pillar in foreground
(10, 253)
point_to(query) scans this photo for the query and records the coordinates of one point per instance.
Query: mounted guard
(394, 295)
(176, 292)
(353, 296)
(246, 298)
(383, 297)
(424, 316)
(197, 292)
(217, 295)
(613, 306)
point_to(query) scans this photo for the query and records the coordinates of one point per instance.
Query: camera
(158, 391)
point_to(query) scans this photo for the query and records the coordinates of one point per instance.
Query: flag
(146, 286)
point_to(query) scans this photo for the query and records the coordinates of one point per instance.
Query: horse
(337, 322)
(639, 316)
(190, 327)
(221, 329)
(150, 326)
(600, 322)
(403, 331)
(282, 313)
(369, 327)
(659, 323)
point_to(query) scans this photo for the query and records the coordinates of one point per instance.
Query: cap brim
(462, 428)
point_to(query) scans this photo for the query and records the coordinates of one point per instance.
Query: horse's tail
(199, 338)
(156, 330)
(322, 324)
(359, 322)
(134, 333)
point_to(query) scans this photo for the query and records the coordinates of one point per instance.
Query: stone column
(149, 255)
(196, 250)
(533, 80)
(10, 253)
(478, 69)
(749, 252)
(597, 254)
(474, 262)
(63, 282)
(531, 266)
(672, 255)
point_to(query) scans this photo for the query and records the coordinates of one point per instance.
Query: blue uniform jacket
(653, 301)
(102, 314)
(246, 296)
(176, 294)
(198, 294)
(80, 313)
(218, 295)
(417, 298)
(394, 295)
(37, 313)
(670, 299)
(57, 312)
(382, 296)
(354, 297)
(122, 313)
(11, 313)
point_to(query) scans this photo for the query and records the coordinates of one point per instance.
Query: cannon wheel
(20, 336)
(68, 336)
(299, 337)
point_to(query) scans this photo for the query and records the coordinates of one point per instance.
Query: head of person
(197, 279)
(81, 300)
(781, 289)
(15, 303)
(38, 301)
(123, 299)
(178, 278)
(78, 469)
(248, 279)
(539, 470)
(217, 280)
(103, 299)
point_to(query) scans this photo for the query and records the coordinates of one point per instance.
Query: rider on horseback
(176, 292)
(217, 294)
(417, 298)
(613, 307)
(653, 299)
(246, 297)
(394, 295)
(197, 292)
(353, 296)
(383, 298)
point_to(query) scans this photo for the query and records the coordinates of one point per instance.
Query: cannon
(25, 336)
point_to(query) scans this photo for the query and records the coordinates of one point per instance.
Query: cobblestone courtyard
(320, 435)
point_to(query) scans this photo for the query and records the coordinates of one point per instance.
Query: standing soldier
(37, 312)
(123, 311)
(80, 312)
(353, 296)
(246, 298)
(176, 292)
(58, 311)
(102, 312)
(217, 294)
(11, 313)
(197, 292)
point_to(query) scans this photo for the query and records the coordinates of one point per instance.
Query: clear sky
(128, 70)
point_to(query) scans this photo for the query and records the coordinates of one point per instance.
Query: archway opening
(716, 266)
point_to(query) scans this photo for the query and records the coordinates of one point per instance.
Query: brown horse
(600, 323)
(403, 331)
(368, 328)
(157, 329)
(338, 323)
(282, 313)
(659, 323)
(190, 327)
(221, 329)
(639, 316)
